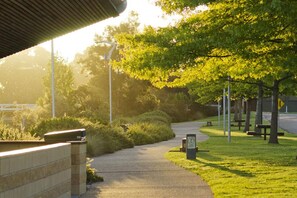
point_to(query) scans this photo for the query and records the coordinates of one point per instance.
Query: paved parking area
(288, 122)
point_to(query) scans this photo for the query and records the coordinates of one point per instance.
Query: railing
(16, 107)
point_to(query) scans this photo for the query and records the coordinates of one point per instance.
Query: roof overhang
(26, 23)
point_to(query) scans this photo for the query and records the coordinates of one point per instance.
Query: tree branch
(218, 56)
(276, 40)
(251, 83)
(285, 78)
(211, 56)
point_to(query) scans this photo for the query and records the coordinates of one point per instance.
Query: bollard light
(191, 146)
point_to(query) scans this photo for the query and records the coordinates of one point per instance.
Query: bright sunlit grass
(246, 167)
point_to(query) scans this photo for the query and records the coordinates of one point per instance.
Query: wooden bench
(239, 123)
(208, 123)
(259, 134)
(253, 133)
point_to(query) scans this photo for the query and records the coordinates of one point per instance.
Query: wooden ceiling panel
(26, 23)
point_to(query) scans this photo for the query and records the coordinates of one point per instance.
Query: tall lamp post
(107, 58)
(229, 111)
(53, 78)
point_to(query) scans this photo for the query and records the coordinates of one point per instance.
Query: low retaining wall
(43, 171)
(14, 145)
(39, 169)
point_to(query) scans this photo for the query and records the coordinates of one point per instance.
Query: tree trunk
(259, 110)
(274, 114)
(237, 110)
(248, 116)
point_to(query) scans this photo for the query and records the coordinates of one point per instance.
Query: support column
(78, 167)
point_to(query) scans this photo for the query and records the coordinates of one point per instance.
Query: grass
(246, 167)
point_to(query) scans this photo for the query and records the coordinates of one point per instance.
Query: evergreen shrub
(8, 133)
(150, 127)
(101, 138)
(155, 117)
(147, 128)
(148, 133)
(139, 135)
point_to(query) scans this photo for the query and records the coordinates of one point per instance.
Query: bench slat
(255, 133)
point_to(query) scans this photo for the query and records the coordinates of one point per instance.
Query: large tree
(130, 96)
(246, 40)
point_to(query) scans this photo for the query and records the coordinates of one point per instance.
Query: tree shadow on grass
(212, 159)
(205, 155)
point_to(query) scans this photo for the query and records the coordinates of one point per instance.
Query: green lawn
(246, 167)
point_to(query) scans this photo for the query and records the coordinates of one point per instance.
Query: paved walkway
(143, 172)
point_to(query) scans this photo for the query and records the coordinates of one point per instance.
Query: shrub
(159, 113)
(154, 116)
(27, 118)
(8, 133)
(138, 135)
(101, 138)
(147, 133)
(150, 117)
(92, 177)
(54, 124)
(122, 120)
(159, 132)
(146, 128)
(105, 139)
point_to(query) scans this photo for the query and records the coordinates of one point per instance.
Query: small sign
(191, 146)
(280, 103)
(191, 142)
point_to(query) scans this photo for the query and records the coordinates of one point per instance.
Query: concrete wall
(43, 171)
(15, 145)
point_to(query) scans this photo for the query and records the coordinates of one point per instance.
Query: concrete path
(143, 172)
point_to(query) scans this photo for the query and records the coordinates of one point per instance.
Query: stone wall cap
(77, 142)
(27, 150)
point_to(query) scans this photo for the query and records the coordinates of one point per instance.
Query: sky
(76, 42)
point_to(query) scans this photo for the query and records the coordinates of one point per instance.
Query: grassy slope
(246, 167)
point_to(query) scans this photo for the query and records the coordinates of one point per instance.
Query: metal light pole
(229, 112)
(224, 110)
(219, 114)
(107, 58)
(53, 78)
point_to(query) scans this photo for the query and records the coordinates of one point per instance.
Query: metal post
(224, 110)
(110, 95)
(286, 101)
(229, 113)
(219, 115)
(107, 58)
(53, 78)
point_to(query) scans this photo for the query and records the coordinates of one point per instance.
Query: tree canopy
(247, 40)
(242, 39)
